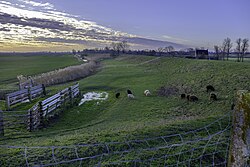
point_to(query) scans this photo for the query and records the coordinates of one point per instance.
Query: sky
(63, 25)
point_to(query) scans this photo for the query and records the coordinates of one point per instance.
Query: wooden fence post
(1, 123)
(20, 87)
(71, 96)
(7, 99)
(40, 114)
(239, 153)
(29, 94)
(44, 91)
(31, 120)
(31, 81)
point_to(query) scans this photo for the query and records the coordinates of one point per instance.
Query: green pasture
(12, 66)
(143, 117)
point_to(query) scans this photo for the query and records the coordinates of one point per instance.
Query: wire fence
(206, 146)
(14, 122)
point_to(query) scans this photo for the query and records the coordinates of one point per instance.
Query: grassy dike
(144, 117)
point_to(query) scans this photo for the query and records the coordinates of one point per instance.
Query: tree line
(222, 52)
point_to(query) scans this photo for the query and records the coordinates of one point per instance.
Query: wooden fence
(25, 94)
(41, 111)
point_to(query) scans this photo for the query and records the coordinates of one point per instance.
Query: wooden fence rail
(25, 94)
(40, 111)
(37, 114)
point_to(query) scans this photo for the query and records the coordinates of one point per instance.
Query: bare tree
(107, 48)
(115, 48)
(227, 45)
(238, 48)
(217, 51)
(169, 49)
(244, 48)
(160, 51)
(190, 49)
(124, 46)
(223, 50)
(74, 51)
(119, 47)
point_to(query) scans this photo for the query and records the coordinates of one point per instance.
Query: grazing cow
(183, 96)
(130, 94)
(147, 93)
(192, 98)
(213, 97)
(210, 88)
(117, 95)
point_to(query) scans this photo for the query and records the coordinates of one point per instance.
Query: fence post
(239, 154)
(70, 96)
(1, 123)
(31, 119)
(31, 81)
(29, 94)
(7, 99)
(19, 85)
(44, 91)
(40, 114)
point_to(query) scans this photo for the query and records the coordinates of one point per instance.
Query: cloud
(27, 24)
(38, 23)
(174, 39)
(7, 3)
(37, 4)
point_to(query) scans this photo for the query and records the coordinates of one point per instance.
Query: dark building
(201, 54)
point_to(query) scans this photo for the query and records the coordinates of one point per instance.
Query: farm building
(201, 54)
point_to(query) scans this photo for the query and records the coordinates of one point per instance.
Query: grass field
(143, 117)
(11, 66)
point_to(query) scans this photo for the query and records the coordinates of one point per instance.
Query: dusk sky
(61, 25)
